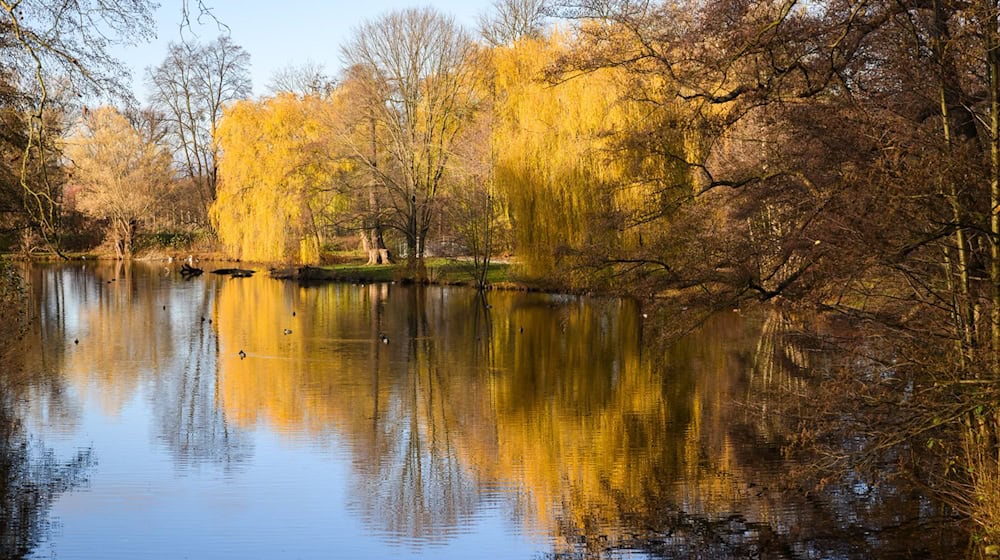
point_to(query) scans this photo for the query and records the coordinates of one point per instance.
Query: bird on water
(383, 338)
(242, 354)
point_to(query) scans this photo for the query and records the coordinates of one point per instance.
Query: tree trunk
(411, 255)
(368, 245)
(964, 309)
(993, 64)
(486, 249)
(128, 237)
(371, 237)
(413, 250)
(119, 247)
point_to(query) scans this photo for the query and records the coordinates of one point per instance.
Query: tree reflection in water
(31, 477)
(134, 326)
(597, 438)
(568, 413)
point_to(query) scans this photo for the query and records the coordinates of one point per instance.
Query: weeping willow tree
(581, 190)
(276, 178)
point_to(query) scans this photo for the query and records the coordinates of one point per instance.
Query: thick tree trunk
(368, 245)
(374, 246)
(411, 255)
(119, 246)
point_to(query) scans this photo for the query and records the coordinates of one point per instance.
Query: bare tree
(421, 92)
(191, 87)
(361, 138)
(475, 208)
(121, 171)
(309, 78)
(510, 20)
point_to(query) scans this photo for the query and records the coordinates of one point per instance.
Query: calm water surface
(519, 426)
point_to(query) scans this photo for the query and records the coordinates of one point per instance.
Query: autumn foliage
(276, 179)
(837, 156)
(120, 172)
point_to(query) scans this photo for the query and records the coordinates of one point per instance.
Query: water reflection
(107, 328)
(551, 404)
(564, 413)
(31, 475)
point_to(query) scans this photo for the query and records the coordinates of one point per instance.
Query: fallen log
(188, 271)
(306, 274)
(234, 272)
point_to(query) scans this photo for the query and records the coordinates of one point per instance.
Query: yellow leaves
(275, 175)
(561, 153)
(119, 171)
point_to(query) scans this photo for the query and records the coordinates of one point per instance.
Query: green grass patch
(362, 273)
(439, 271)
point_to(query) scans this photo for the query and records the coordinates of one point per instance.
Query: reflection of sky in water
(290, 500)
(539, 424)
(143, 393)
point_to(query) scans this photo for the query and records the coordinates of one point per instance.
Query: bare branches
(417, 83)
(309, 78)
(191, 87)
(71, 38)
(511, 20)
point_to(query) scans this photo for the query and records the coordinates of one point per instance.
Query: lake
(145, 416)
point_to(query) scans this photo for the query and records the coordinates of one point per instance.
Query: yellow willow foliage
(275, 179)
(567, 154)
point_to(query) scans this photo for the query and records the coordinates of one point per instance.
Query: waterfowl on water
(383, 338)
(288, 331)
(242, 354)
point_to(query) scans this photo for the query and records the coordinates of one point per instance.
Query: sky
(279, 33)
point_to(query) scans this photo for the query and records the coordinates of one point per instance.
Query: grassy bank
(439, 271)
